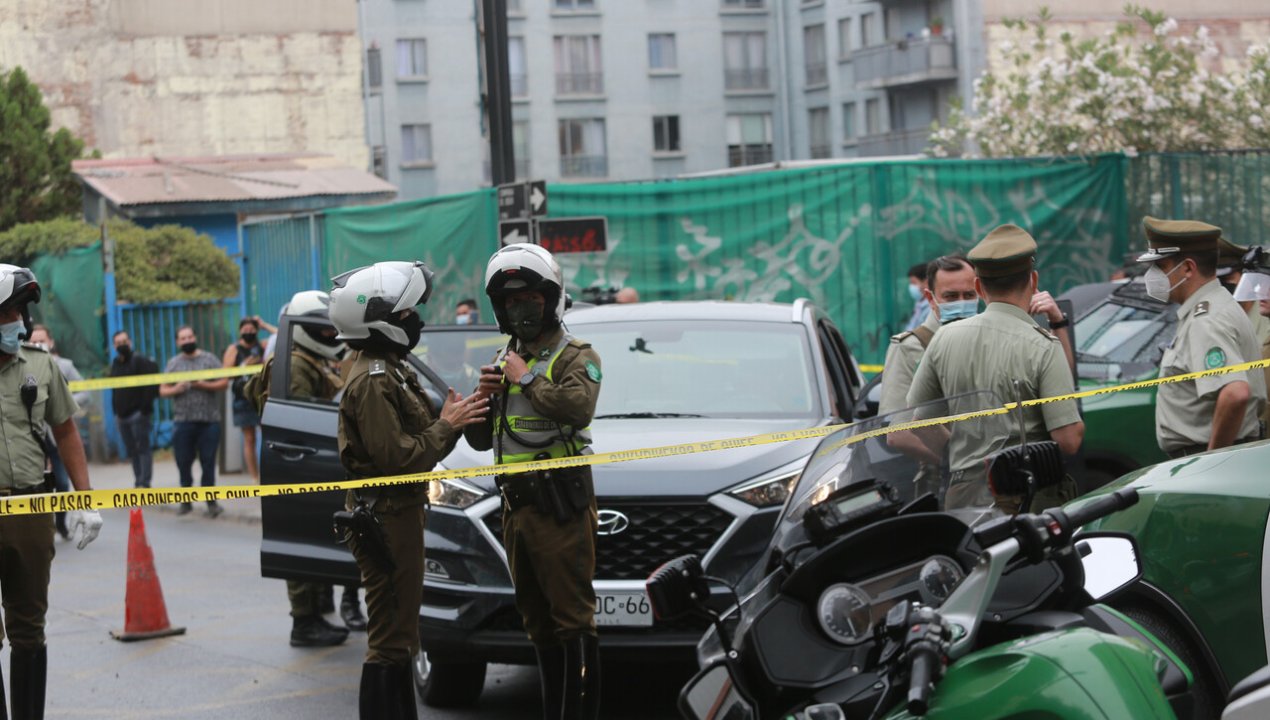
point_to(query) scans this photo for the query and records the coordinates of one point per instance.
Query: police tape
(142, 497)
(871, 368)
(132, 381)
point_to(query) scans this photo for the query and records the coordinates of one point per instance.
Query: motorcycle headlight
(453, 494)
(766, 492)
(818, 491)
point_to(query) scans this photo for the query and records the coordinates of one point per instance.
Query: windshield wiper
(645, 415)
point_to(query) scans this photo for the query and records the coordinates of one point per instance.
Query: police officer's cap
(1230, 256)
(1007, 250)
(1171, 237)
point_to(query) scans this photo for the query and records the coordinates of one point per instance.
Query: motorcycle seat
(1250, 684)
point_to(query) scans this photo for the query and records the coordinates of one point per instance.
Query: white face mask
(1157, 282)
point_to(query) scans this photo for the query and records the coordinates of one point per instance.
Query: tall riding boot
(28, 676)
(581, 678)
(551, 678)
(326, 600)
(384, 693)
(351, 610)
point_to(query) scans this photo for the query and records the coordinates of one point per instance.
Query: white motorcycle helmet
(314, 304)
(524, 266)
(365, 302)
(18, 286)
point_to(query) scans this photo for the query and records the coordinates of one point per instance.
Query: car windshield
(1116, 334)
(704, 368)
(458, 354)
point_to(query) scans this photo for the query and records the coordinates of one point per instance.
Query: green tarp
(71, 304)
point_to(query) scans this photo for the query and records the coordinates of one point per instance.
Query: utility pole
(498, 103)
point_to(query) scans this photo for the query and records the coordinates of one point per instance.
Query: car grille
(657, 533)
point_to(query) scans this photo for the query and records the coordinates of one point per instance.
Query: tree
(1115, 93)
(35, 166)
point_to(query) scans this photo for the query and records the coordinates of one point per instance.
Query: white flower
(1165, 27)
(1130, 151)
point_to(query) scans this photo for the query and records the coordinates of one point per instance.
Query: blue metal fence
(281, 258)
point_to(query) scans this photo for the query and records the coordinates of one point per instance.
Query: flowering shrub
(1117, 93)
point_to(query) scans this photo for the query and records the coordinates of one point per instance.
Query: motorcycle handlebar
(1102, 507)
(921, 677)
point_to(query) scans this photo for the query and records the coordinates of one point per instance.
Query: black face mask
(413, 325)
(124, 351)
(250, 338)
(189, 348)
(525, 319)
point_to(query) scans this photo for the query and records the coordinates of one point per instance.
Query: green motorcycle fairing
(1078, 674)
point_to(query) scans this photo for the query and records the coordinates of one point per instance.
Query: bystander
(195, 415)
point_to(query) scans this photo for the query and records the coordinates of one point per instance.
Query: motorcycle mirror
(1111, 563)
(712, 695)
(677, 587)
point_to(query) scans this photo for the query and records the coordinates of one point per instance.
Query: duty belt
(32, 490)
(1188, 450)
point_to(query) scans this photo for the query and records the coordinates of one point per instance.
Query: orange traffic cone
(145, 615)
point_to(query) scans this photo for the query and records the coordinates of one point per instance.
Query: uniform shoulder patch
(377, 367)
(593, 371)
(1201, 309)
(1046, 333)
(33, 346)
(1214, 358)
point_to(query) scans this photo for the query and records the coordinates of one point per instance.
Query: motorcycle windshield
(946, 460)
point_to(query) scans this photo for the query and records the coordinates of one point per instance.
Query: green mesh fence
(1227, 189)
(71, 305)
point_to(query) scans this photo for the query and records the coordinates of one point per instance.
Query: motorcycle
(875, 603)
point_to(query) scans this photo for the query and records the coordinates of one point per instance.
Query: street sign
(537, 197)
(511, 201)
(514, 231)
(575, 234)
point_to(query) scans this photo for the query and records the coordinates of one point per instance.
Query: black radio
(850, 507)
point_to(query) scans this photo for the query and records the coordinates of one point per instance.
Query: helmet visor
(1253, 286)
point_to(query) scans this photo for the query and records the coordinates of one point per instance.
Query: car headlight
(453, 494)
(766, 492)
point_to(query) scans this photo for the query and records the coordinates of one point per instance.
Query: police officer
(33, 395)
(544, 389)
(990, 352)
(1212, 331)
(386, 427)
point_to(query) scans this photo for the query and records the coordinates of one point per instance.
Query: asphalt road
(234, 660)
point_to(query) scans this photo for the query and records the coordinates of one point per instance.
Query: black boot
(351, 610)
(551, 679)
(326, 601)
(315, 631)
(581, 678)
(387, 693)
(28, 675)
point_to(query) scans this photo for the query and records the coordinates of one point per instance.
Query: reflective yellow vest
(521, 435)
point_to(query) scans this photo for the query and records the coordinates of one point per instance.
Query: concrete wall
(184, 77)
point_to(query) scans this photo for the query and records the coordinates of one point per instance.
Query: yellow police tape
(108, 499)
(131, 381)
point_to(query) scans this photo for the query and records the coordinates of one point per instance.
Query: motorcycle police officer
(544, 387)
(33, 394)
(386, 427)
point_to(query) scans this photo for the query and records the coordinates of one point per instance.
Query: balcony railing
(746, 79)
(820, 152)
(588, 83)
(817, 74)
(742, 155)
(520, 84)
(896, 142)
(905, 62)
(584, 166)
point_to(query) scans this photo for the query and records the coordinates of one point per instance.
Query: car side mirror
(1111, 563)
(678, 587)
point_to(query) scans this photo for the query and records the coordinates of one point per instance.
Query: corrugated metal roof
(232, 178)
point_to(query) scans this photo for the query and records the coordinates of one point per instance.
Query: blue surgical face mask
(11, 337)
(914, 292)
(957, 310)
(463, 320)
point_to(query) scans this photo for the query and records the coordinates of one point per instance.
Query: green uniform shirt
(21, 458)
(989, 352)
(902, 358)
(1212, 332)
(1260, 323)
(310, 379)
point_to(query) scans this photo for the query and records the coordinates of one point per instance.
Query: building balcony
(592, 166)
(746, 79)
(588, 83)
(817, 74)
(905, 62)
(519, 83)
(743, 155)
(896, 142)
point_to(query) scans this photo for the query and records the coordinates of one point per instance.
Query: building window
(416, 143)
(374, 69)
(745, 61)
(520, 148)
(582, 148)
(868, 30)
(517, 69)
(749, 139)
(743, 4)
(818, 132)
(412, 58)
(515, 7)
(379, 161)
(573, 5)
(814, 54)
(666, 134)
(578, 67)
(849, 127)
(872, 117)
(661, 52)
(844, 38)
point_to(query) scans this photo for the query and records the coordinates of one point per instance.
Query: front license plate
(624, 608)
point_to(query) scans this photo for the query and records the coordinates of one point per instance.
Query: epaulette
(1048, 335)
(1201, 309)
(579, 344)
(33, 346)
(377, 367)
(902, 336)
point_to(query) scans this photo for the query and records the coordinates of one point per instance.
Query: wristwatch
(1061, 323)
(525, 380)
